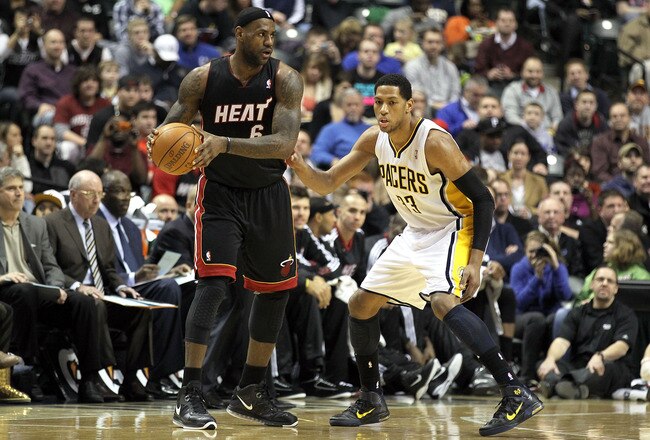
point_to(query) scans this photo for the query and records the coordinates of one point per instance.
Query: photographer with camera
(117, 146)
(541, 284)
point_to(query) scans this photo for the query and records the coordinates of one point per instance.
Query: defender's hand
(296, 161)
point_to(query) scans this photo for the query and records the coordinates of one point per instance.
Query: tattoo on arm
(190, 95)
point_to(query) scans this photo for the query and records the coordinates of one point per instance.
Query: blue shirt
(386, 64)
(335, 140)
(539, 295)
(199, 55)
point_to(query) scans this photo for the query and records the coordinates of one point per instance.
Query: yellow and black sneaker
(369, 408)
(517, 405)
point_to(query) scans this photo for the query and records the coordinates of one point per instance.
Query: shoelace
(264, 398)
(195, 399)
(361, 405)
(506, 405)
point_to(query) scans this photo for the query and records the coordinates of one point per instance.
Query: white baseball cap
(166, 46)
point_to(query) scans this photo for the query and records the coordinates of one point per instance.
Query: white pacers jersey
(424, 200)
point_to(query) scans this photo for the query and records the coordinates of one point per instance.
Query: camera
(542, 252)
(30, 21)
(324, 46)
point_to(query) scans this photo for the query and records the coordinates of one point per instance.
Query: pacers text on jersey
(398, 176)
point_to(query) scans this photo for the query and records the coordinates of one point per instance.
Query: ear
(409, 105)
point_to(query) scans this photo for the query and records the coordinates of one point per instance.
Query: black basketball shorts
(250, 230)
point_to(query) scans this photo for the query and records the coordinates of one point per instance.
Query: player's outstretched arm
(324, 182)
(444, 155)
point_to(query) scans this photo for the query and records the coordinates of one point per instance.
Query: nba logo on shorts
(208, 256)
(285, 266)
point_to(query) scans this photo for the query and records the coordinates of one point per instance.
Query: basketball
(172, 150)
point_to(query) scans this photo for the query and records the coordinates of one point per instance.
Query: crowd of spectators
(565, 153)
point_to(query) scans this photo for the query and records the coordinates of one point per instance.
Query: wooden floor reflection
(454, 418)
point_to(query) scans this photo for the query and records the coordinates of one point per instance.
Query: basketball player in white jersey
(437, 258)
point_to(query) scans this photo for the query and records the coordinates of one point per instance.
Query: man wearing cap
(162, 68)
(637, 101)
(490, 155)
(605, 147)
(579, 126)
(128, 96)
(630, 158)
(48, 202)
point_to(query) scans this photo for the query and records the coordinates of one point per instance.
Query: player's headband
(251, 14)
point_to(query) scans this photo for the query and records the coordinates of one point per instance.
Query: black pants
(617, 375)
(534, 329)
(34, 305)
(6, 322)
(136, 324)
(335, 320)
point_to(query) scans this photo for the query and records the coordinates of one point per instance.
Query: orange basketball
(172, 150)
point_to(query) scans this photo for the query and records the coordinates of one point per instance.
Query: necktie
(92, 256)
(129, 257)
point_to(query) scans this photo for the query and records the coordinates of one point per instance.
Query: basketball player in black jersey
(250, 105)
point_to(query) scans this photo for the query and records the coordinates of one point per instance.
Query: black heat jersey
(230, 108)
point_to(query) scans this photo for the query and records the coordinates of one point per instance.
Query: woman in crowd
(528, 188)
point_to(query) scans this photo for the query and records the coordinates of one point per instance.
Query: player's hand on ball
(150, 140)
(469, 282)
(211, 147)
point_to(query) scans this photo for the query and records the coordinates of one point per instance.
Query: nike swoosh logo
(512, 416)
(362, 415)
(178, 410)
(250, 407)
(417, 379)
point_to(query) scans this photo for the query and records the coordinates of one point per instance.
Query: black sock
(252, 375)
(474, 333)
(191, 375)
(505, 342)
(368, 371)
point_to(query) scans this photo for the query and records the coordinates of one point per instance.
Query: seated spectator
(148, 10)
(336, 139)
(48, 171)
(500, 57)
(329, 110)
(418, 11)
(605, 146)
(489, 107)
(527, 188)
(403, 47)
(44, 82)
(462, 114)
(215, 23)
(433, 72)
(628, 10)
(577, 80)
(386, 64)
(640, 199)
(580, 125)
(285, 14)
(136, 48)
(317, 40)
(83, 48)
(560, 190)
(502, 211)
(531, 88)
(638, 102)
(47, 202)
(20, 49)
(347, 35)
(540, 281)
(303, 146)
(11, 136)
(490, 155)
(599, 361)
(61, 15)
(364, 76)
(317, 79)
(146, 92)
(192, 52)
(471, 24)
(623, 252)
(550, 218)
(73, 113)
(593, 232)
(629, 160)
(533, 122)
(109, 74)
(101, 14)
(166, 207)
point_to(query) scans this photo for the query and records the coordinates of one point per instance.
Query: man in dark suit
(132, 270)
(26, 258)
(83, 246)
(551, 216)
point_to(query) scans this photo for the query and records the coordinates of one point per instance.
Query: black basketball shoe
(517, 405)
(190, 412)
(369, 408)
(254, 403)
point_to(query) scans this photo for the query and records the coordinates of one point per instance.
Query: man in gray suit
(26, 258)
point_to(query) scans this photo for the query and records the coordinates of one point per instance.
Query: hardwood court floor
(454, 418)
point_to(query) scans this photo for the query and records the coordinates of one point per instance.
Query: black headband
(251, 14)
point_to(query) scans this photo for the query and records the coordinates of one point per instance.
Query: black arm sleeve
(470, 185)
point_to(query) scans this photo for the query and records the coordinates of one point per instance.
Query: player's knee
(441, 304)
(267, 315)
(210, 292)
(364, 305)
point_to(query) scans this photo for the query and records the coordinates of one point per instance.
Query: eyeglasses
(90, 195)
